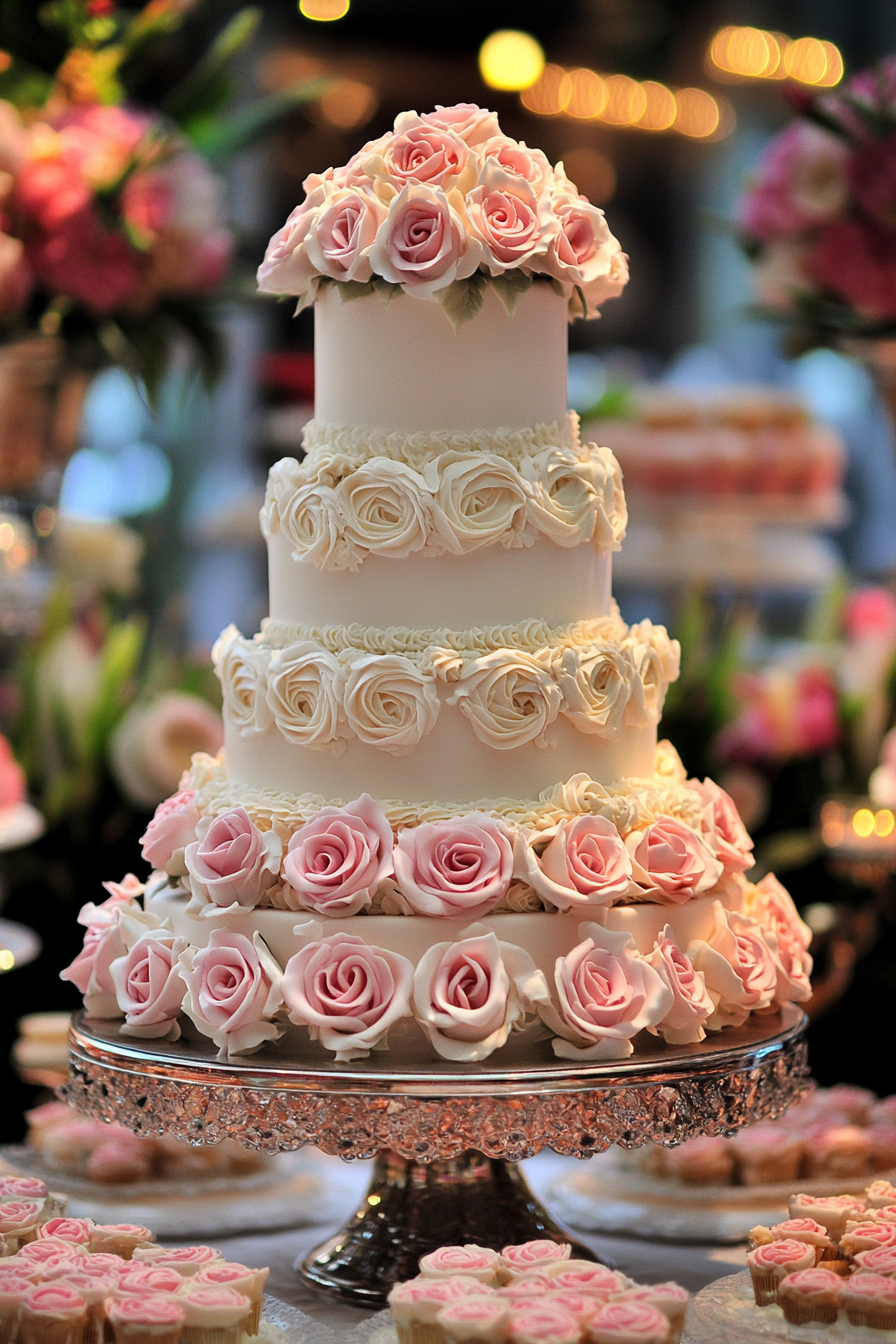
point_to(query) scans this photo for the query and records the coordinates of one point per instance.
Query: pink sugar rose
(233, 991)
(430, 156)
(607, 993)
(338, 242)
(457, 868)
(670, 858)
(855, 259)
(738, 965)
(516, 158)
(149, 986)
(346, 992)
(585, 862)
(286, 268)
(423, 245)
(691, 1001)
(503, 212)
(172, 828)
(231, 862)
(582, 250)
(90, 971)
(336, 861)
(771, 905)
(474, 125)
(469, 994)
(725, 833)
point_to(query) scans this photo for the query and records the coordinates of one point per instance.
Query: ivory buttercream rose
(233, 991)
(386, 508)
(423, 244)
(241, 669)
(509, 699)
(482, 498)
(336, 861)
(570, 500)
(596, 682)
(656, 658)
(585, 862)
(458, 868)
(469, 994)
(347, 992)
(310, 518)
(339, 239)
(149, 986)
(231, 862)
(692, 1003)
(726, 834)
(172, 828)
(389, 703)
(606, 993)
(304, 695)
(671, 859)
(738, 966)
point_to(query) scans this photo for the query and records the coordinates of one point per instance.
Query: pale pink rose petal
(336, 861)
(456, 868)
(585, 862)
(234, 991)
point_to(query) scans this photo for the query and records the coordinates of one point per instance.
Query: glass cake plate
(282, 1323)
(725, 1312)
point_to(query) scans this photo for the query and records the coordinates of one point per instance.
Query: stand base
(411, 1208)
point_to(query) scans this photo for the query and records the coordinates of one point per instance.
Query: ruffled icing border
(417, 450)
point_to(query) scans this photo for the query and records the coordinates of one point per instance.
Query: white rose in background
(423, 245)
(155, 742)
(596, 683)
(508, 698)
(389, 703)
(304, 695)
(340, 237)
(99, 555)
(242, 672)
(386, 508)
(483, 499)
(583, 862)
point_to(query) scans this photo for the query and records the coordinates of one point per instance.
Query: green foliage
(462, 300)
(221, 138)
(510, 288)
(208, 86)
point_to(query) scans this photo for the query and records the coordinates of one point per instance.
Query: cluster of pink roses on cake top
(105, 206)
(441, 199)
(820, 214)
(469, 991)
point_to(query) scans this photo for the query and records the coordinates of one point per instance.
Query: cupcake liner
(416, 1332)
(765, 1288)
(802, 1313)
(50, 1331)
(254, 1321)
(145, 1334)
(871, 1317)
(213, 1334)
(9, 1328)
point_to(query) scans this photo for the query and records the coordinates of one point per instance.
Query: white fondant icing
(400, 365)
(488, 587)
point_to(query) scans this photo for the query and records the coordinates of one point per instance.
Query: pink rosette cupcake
(584, 1275)
(527, 1286)
(855, 1102)
(187, 1260)
(707, 1160)
(628, 1323)
(879, 1194)
(23, 1187)
(835, 1151)
(214, 1315)
(809, 1232)
(74, 1230)
(809, 1296)
(577, 1302)
(865, 1236)
(768, 1265)
(668, 1298)
(119, 1161)
(870, 1300)
(120, 1239)
(517, 1260)
(45, 1248)
(249, 1282)
(61, 1267)
(766, 1154)
(13, 1288)
(882, 1145)
(415, 1306)
(832, 1211)
(146, 1320)
(448, 1261)
(51, 1313)
(546, 1323)
(103, 1262)
(20, 1220)
(96, 1290)
(878, 1260)
(138, 1280)
(485, 1320)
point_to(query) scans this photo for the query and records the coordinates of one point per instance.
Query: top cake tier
(399, 366)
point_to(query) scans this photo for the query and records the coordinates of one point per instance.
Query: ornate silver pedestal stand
(446, 1138)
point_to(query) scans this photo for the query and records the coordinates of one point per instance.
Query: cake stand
(446, 1137)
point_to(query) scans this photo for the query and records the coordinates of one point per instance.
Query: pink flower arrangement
(90, 971)
(819, 216)
(444, 199)
(783, 713)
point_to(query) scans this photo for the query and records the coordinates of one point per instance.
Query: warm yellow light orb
(510, 60)
(884, 822)
(863, 822)
(324, 11)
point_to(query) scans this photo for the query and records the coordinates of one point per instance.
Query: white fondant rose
(737, 963)
(670, 858)
(606, 993)
(231, 862)
(771, 904)
(172, 828)
(468, 995)
(389, 703)
(596, 683)
(509, 699)
(457, 868)
(346, 992)
(312, 522)
(386, 508)
(482, 497)
(725, 832)
(423, 245)
(338, 241)
(304, 696)
(585, 862)
(233, 991)
(692, 1003)
(336, 861)
(149, 986)
(503, 212)
(241, 669)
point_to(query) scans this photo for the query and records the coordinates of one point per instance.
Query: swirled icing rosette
(581, 861)
(532, 1255)
(447, 1261)
(628, 1323)
(143, 1280)
(458, 868)
(545, 1322)
(483, 1319)
(335, 862)
(420, 1300)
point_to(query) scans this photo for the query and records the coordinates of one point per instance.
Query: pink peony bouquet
(440, 207)
(819, 217)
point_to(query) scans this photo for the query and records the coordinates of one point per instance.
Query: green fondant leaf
(510, 288)
(462, 300)
(354, 289)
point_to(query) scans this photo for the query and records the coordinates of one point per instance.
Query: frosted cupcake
(879, 1194)
(22, 1187)
(187, 1260)
(19, 1222)
(879, 1260)
(146, 1320)
(628, 1323)
(546, 1323)
(578, 1302)
(51, 1313)
(485, 1320)
(582, 1274)
(806, 1230)
(415, 1306)
(249, 1282)
(214, 1315)
(477, 1262)
(74, 1230)
(517, 1260)
(527, 1285)
(870, 1300)
(669, 1298)
(96, 1290)
(767, 1154)
(768, 1265)
(148, 1280)
(832, 1211)
(882, 1145)
(13, 1288)
(120, 1239)
(809, 1296)
(45, 1248)
(839, 1151)
(707, 1160)
(865, 1236)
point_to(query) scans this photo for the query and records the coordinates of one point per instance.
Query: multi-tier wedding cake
(442, 821)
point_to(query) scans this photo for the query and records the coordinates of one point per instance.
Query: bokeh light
(753, 53)
(697, 113)
(511, 60)
(659, 114)
(347, 104)
(863, 822)
(588, 96)
(324, 11)
(550, 95)
(620, 101)
(626, 101)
